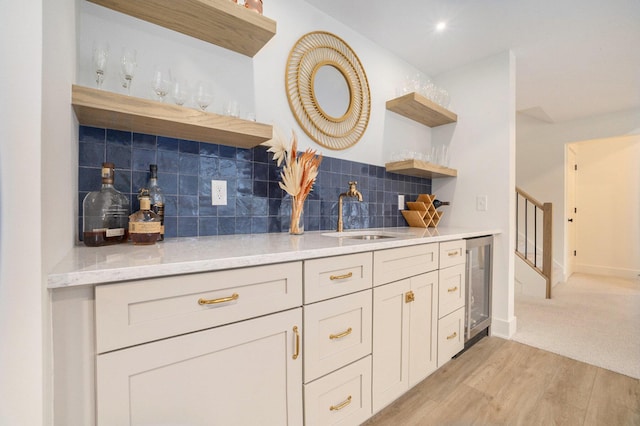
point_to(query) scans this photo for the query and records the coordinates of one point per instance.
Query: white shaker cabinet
(247, 373)
(451, 300)
(217, 348)
(404, 336)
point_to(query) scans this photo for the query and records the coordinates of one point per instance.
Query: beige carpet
(590, 318)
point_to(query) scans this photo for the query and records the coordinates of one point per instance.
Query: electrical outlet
(400, 202)
(218, 192)
(481, 203)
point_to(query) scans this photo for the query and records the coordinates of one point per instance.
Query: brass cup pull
(296, 354)
(341, 277)
(453, 336)
(341, 405)
(340, 335)
(231, 298)
(452, 289)
(453, 253)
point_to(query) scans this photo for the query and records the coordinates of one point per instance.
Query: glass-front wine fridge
(478, 288)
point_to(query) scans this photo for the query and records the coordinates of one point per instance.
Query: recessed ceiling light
(440, 26)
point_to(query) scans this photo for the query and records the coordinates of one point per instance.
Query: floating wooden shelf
(420, 169)
(99, 108)
(221, 22)
(421, 109)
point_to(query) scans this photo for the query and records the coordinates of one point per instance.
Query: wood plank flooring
(502, 382)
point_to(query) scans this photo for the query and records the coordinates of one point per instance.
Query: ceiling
(574, 58)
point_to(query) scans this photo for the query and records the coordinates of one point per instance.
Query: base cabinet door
(404, 336)
(247, 373)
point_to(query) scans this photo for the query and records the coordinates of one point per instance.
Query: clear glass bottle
(105, 213)
(144, 225)
(157, 197)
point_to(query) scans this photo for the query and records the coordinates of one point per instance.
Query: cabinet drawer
(451, 293)
(141, 311)
(404, 262)
(337, 332)
(343, 397)
(335, 276)
(450, 336)
(452, 253)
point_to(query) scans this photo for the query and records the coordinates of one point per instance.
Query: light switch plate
(481, 203)
(218, 192)
(400, 202)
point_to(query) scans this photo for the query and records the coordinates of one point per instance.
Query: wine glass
(127, 68)
(204, 95)
(180, 91)
(100, 58)
(160, 83)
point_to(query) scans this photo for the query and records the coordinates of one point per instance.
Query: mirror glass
(331, 91)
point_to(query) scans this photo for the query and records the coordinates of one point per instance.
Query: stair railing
(534, 243)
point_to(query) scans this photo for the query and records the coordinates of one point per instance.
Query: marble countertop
(122, 262)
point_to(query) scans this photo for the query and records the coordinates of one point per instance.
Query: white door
(570, 211)
(423, 325)
(239, 374)
(390, 342)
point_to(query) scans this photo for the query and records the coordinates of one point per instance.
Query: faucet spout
(352, 192)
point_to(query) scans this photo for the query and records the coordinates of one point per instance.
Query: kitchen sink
(359, 235)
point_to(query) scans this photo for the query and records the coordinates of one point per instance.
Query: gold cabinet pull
(231, 298)
(452, 289)
(453, 253)
(341, 277)
(409, 297)
(341, 405)
(453, 336)
(340, 335)
(296, 354)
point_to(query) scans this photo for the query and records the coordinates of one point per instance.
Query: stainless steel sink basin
(359, 235)
(368, 237)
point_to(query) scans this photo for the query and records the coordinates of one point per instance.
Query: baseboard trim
(502, 328)
(607, 271)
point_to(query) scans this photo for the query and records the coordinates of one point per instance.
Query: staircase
(534, 224)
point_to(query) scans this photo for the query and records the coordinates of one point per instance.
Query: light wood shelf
(100, 108)
(220, 22)
(420, 169)
(420, 109)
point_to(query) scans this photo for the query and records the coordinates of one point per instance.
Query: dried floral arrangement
(298, 173)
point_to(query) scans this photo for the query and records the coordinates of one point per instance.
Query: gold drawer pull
(453, 253)
(296, 354)
(453, 336)
(341, 405)
(231, 298)
(451, 290)
(341, 277)
(340, 335)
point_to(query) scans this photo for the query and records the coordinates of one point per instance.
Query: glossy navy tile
(254, 195)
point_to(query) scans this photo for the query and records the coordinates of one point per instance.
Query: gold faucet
(352, 192)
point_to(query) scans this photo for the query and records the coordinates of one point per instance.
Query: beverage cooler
(478, 288)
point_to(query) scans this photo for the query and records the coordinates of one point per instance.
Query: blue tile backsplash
(186, 168)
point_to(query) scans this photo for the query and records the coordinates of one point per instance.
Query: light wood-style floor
(502, 382)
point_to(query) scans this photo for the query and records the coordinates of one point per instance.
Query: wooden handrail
(547, 242)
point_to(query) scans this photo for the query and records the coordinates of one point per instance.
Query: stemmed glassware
(160, 83)
(127, 68)
(180, 91)
(100, 58)
(204, 95)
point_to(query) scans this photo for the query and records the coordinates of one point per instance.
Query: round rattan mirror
(328, 91)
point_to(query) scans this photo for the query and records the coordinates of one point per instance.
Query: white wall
(21, 291)
(540, 159)
(482, 149)
(257, 83)
(608, 201)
